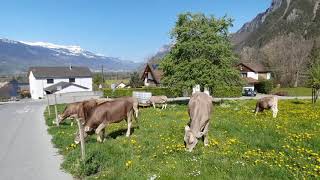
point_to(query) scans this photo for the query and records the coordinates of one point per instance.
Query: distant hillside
(17, 57)
(300, 17)
(282, 38)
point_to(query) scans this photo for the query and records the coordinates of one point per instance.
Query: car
(249, 92)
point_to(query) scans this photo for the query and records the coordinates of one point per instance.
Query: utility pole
(102, 75)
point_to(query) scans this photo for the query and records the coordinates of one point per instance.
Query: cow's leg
(274, 111)
(257, 110)
(136, 109)
(165, 106)
(100, 131)
(205, 135)
(100, 136)
(154, 105)
(129, 121)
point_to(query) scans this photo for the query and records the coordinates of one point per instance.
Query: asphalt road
(26, 151)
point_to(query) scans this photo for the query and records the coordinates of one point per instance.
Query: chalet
(121, 85)
(151, 75)
(253, 73)
(55, 80)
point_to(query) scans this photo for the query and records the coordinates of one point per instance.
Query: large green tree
(202, 54)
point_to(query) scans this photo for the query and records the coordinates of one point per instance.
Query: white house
(49, 80)
(253, 73)
(120, 85)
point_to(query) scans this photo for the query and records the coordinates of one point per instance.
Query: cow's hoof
(206, 144)
(76, 142)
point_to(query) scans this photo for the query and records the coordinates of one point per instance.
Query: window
(72, 80)
(49, 81)
(244, 75)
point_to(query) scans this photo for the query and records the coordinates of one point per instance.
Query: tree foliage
(314, 66)
(202, 54)
(135, 80)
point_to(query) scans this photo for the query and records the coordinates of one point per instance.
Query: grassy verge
(242, 146)
(300, 91)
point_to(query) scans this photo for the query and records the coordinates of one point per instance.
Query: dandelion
(128, 163)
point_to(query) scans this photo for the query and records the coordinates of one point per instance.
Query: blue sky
(129, 29)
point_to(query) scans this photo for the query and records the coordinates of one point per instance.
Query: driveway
(26, 151)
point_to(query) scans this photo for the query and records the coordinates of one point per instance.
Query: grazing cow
(107, 113)
(134, 100)
(159, 100)
(78, 110)
(267, 103)
(199, 109)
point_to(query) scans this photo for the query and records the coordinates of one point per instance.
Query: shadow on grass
(120, 132)
(297, 102)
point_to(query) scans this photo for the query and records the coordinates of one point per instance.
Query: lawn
(299, 91)
(242, 146)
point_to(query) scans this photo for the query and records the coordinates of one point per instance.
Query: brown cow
(83, 109)
(199, 109)
(159, 100)
(267, 103)
(78, 110)
(134, 100)
(107, 113)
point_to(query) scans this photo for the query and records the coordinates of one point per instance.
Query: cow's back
(111, 112)
(158, 99)
(199, 109)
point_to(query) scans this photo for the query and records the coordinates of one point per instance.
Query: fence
(72, 97)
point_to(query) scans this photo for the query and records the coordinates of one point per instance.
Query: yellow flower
(128, 163)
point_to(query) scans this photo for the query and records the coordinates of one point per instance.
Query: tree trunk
(296, 80)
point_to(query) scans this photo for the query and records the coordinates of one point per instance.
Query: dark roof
(256, 67)
(155, 71)
(60, 72)
(61, 85)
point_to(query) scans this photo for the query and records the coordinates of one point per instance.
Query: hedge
(227, 91)
(265, 86)
(217, 92)
(128, 92)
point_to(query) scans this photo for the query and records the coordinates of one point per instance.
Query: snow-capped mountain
(18, 56)
(61, 49)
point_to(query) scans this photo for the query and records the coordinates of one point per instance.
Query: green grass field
(242, 146)
(300, 91)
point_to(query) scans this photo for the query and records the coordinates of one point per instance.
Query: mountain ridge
(18, 56)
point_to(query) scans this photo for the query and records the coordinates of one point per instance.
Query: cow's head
(190, 139)
(60, 119)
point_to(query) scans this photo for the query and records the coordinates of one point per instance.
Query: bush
(264, 87)
(226, 91)
(128, 92)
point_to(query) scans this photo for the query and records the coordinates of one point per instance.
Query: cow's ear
(187, 128)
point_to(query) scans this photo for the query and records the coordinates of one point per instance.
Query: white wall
(268, 75)
(146, 82)
(150, 76)
(253, 75)
(37, 85)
